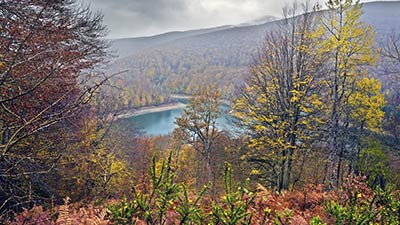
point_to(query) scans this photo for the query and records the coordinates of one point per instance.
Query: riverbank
(182, 96)
(152, 109)
(160, 108)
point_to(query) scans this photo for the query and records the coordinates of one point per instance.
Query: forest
(317, 106)
(177, 62)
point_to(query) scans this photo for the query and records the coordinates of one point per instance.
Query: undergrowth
(167, 202)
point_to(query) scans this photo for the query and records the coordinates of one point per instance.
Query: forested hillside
(177, 62)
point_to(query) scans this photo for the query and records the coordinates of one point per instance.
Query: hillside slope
(179, 62)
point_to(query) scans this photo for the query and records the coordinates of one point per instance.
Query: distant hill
(383, 16)
(128, 46)
(262, 20)
(178, 62)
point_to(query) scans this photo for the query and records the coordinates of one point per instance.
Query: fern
(64, 217)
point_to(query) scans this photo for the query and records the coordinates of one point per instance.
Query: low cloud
(132, 18)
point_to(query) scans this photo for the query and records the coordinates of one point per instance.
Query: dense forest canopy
(315, 96)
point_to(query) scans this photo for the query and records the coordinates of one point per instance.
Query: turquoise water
(162, 123)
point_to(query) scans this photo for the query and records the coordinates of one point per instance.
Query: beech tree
(279, 105)
(48, 50)
(197, 125)
(310, 81)
(347, 42)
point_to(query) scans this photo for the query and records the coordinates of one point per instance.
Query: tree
(390, 52)
(48, 50)
(365, 115)
(95, 165)
(390, 49)
(197, 125)
(278, 105)
(348, 44)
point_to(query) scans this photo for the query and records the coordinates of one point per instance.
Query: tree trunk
(208, 167)
(207, 151)
(287, 170)
(339, 166)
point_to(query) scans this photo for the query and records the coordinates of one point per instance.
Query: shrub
(235, 204)
(361, 205)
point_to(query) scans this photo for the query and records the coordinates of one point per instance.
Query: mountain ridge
(215, 55)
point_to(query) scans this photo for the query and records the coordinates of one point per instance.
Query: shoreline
(151, 109)
(183, 96)
(180, 96)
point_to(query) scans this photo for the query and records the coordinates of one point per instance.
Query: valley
(182, 62)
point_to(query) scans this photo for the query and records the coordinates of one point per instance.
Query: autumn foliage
(309, 113)
(48, 50)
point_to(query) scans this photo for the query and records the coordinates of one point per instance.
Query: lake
(162, 123)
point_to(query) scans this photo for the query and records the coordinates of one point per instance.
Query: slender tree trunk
(287, 170)
(339, 166)
(199, 165)
(207, 151)
(282, 171)
(334, 157)
(208, 167)
(334, 125)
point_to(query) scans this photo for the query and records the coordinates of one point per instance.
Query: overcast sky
(133, 18)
